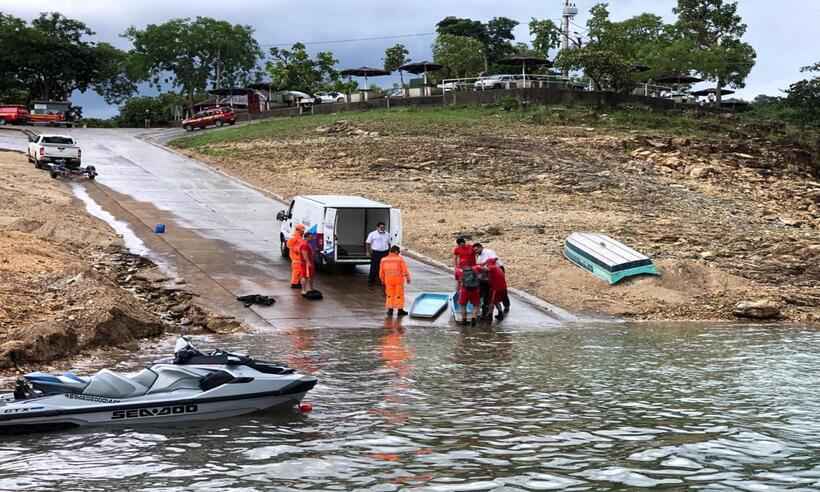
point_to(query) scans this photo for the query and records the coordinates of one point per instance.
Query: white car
(59, 149)
(330, 97)
(495, 82)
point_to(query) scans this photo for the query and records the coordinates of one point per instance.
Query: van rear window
(58, 140)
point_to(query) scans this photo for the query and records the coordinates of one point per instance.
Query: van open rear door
(395, 226)
(329, 231)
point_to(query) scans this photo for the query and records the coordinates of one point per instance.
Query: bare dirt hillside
(66, 284)
(728, 219)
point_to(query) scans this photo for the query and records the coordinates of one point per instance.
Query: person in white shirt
(378, 246)
(482, 255)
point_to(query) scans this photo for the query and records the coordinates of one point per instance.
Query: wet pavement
(222, 237)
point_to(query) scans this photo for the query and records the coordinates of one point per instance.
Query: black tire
(283, 247)
(186, 128)
(219, 123)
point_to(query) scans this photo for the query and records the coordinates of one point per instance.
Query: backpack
(469, 279)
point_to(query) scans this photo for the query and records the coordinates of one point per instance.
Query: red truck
(14, 113)
(210, 117)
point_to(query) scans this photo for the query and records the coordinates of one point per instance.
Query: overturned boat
(191, 386)
(606, 258)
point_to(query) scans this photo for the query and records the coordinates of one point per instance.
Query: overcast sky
(784, 32)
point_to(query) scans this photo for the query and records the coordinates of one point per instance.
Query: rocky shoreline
(67, 284)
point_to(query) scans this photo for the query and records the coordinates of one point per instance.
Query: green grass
(400, 120)
(483, 120)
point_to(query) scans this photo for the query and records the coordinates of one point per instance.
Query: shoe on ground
(402, 312)
(473, 322)
(506, 309)
(295, 286)
(390, 312)
(499, 316)
(463, 322)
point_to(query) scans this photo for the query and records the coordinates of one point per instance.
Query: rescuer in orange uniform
(295, 253)
(393, 272)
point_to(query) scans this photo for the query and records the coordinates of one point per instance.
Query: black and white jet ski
(192, 386)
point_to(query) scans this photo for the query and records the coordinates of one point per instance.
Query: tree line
(51, 56)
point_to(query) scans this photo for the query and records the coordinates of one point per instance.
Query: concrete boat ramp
(222, 238)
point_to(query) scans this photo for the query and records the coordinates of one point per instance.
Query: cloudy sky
(784, 32)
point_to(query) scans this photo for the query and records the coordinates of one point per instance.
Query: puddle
(133, 243)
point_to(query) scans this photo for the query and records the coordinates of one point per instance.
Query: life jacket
(393, 266)
(294, 249)
(469, 278)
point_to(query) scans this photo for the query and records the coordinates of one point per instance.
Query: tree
(714, 31)
(804, 97)
(460, 55)
(294, 69)
(616, 48)
(545, 36)
(495, 36)
(394, 57)
(194, 55)
(51, 58)
(161, 110)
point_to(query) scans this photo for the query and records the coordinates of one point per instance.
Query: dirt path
(725, 222)
(66, 284)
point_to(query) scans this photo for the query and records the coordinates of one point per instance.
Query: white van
(341, 223)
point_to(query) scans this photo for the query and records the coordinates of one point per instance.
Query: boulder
(761, 309)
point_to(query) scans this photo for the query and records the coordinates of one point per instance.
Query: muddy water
(571, 408)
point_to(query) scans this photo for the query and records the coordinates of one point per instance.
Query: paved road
(222, 236)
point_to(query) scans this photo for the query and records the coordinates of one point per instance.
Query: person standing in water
(393, 273)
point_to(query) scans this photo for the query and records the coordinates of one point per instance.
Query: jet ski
(191, 386)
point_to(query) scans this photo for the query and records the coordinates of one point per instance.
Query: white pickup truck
(57, 149)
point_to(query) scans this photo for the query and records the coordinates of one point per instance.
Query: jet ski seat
(113, 385)
(53, 385)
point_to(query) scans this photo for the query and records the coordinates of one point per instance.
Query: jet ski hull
(68, 410)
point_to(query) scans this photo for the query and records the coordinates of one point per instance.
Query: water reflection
(483, 408)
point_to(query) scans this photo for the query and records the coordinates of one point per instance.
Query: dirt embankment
(726, 220)
(66, 284)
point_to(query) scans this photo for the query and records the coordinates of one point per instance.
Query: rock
(762, 309)
(791, 222)
(707, 255)
(699, 172)
(185, 321)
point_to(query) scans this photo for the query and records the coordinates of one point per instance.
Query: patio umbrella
(712, 90)
(421, 67)
(364, 72)
(525, 61)
(681, 79)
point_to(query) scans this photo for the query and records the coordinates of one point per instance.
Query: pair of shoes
(473, 322)
(402, 312)
(506, 309)
(499, 316)
(390, 312)
(295, 286)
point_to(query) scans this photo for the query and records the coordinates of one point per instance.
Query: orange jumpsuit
(294, 250)
(393, 272)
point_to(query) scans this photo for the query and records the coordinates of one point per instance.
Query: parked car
(330, 97)
(14, 113)
(395, 92)
(210, 117)
(496, 82)
(58, 149)
(448, 86)
(341, 224)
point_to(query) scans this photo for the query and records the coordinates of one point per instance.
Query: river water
(569, 408)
